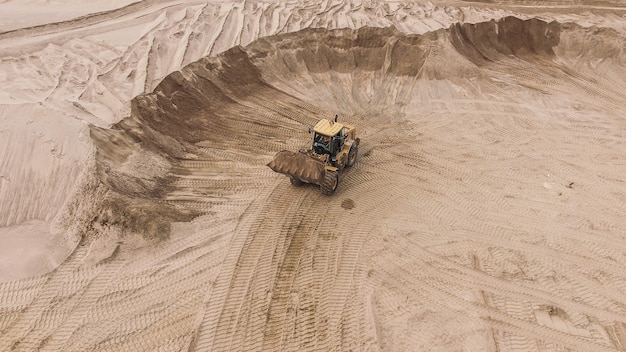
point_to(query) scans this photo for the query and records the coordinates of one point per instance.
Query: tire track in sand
(222, 308)
(440, 291)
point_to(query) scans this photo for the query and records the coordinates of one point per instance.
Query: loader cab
(329, 138)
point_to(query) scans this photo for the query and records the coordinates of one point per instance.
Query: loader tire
(295, 181)
(331, 180)
(352, 154)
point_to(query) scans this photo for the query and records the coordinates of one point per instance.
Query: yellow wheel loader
(334, 147)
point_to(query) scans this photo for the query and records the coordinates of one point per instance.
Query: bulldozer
(334, 147)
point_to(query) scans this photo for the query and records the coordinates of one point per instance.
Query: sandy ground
(486, 211)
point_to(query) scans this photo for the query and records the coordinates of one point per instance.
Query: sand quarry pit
(486, 211)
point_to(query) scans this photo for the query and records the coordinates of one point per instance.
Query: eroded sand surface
(486, 212)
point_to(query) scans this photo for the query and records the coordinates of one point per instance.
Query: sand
(485, 211)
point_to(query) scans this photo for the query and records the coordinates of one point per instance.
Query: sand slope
(485, 211)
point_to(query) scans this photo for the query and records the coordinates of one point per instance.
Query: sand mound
(484, 213)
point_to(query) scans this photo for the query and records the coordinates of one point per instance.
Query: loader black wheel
(295, 181)
(352, 154)
(331, 180)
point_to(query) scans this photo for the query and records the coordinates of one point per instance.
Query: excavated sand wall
(193, 104)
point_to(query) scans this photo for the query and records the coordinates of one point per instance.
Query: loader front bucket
(298, 165)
